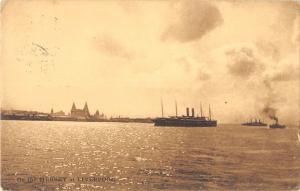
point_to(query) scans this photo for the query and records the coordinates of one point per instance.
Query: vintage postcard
(150, 95)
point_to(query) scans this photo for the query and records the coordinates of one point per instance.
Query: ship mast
(162, 108)
(201, 113)
(176, 107)
(209, 112)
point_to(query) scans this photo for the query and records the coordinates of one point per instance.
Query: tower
(86, 109)
(97, 114)
(73, 107)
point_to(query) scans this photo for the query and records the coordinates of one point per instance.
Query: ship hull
(274, 126)
(169, 122)
(255, 124)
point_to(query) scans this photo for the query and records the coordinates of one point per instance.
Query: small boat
(276, 125)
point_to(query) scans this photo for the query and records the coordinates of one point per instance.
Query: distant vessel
(276, 124)
(186, 121)
(256, 122)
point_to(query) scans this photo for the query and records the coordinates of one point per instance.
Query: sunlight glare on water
(136, 156)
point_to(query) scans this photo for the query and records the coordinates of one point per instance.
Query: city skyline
(54, 110)
(123, 58)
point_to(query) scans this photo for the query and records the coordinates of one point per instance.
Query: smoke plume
(270, 112)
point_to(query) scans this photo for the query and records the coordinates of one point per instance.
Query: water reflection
(141, 157)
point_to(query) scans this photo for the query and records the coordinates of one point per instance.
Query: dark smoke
(289, 73)
(192, 21)
(270, 112)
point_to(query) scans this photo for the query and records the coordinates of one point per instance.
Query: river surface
(38, 155)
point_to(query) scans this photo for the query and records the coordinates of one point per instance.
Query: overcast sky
(122, 57)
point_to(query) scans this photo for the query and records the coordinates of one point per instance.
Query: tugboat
(186, 121)
(276, 125)
(255, 123)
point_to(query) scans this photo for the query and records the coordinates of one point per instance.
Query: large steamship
(186, 120)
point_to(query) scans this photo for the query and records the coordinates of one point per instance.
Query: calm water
(143, 157)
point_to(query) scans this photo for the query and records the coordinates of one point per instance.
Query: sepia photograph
(150, 95)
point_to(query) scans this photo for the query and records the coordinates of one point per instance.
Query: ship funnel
(193, 112)
(187, 112)
(201, 114)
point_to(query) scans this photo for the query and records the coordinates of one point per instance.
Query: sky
(124, 57)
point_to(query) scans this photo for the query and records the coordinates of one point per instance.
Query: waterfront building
(80, 113)
(57, 114)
